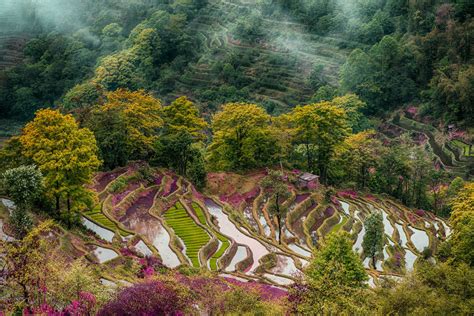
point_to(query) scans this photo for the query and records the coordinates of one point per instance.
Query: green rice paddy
(193, 236)
(224, 241)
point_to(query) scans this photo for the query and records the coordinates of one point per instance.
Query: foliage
(276, 190)
(64, 153)
(355, 159)
(243, 138)
(383, 77)
(334, 281)
(374, 236)
(83, 95)
(318, 127)
(126, 126)
(21, 222)
(23, 185)
(149, 298)
(336, 261)
(183, 116)
(462, 219)
(25, 262)
(442, 288)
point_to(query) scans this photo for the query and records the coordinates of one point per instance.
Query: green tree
(354, 108)
(183, 115)
(23, 185)
(356, 158)
(276, 189)
(432, 289)
(319, 128)
(243, 138)
(334, 281)
(127, 126)
(83, 95)
(374, 236)
(65, 154)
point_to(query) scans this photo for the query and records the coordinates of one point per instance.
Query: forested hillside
(212, 157)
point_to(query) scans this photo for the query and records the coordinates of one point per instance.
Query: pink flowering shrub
(84, 305)
(420, 212)
(149, 298)
(237, 198)
(411, 111)
(348, 194)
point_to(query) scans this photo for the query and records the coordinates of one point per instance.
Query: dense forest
(236, 157)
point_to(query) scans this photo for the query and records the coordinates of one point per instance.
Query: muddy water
(240, 255)
(345, 207)
(403, 235)
(105, 254)
(151, 228)
(3, 235)
(300, 250)
(277, 279)
(103, 233)
(286, 266)
(228, 228)
(358, 244)
(142, 248)
(410, 259)
(420, 239)
(387, 225)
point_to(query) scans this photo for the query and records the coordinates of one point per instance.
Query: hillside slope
(231, 230)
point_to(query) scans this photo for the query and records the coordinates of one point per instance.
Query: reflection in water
(300, 250)
(286, 266)
(142, 248)
(278, 279)
(420, 239)
(228, 228)
(151, 228)
(105, 254)
(103, 233)
(402, 234)
(240, 255)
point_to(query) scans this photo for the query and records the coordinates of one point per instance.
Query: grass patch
(193, 236)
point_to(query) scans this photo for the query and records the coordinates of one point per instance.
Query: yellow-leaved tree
(65, 154)
(126, 126)
(462, 220)
(183, 116)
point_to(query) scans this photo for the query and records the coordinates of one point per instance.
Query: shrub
(149, 298)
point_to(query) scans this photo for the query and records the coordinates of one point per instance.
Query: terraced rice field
(193, 236)
(224, 243)
(97, 216)
(464, 148)
(310, 219)
(274, 69)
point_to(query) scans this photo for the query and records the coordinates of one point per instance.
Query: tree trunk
(308, 158)
(57, 203)
(373, 261)
(69, 211)
(279, 229)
